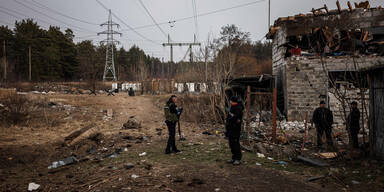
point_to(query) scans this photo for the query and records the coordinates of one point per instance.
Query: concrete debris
(292, 125)
(33, 186)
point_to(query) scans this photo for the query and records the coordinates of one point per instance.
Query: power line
(153, 19)
(10, 13)
(199, 15)
(131, 28)
(28, 7)
(62, 14)
(18, 13)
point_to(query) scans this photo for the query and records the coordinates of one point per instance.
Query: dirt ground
(27, 150)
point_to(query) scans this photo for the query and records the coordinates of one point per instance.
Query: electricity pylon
(109, 70)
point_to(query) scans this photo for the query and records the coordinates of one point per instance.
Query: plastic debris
(282, 163)
(134, 176)
(260, 155)
(33, 186)
(66, 161)
(143, 154)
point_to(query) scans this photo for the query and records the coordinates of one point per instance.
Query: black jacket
(323, 118)
(353, 119)
(234, 120)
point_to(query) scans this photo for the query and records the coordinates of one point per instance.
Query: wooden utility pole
(5, 60)
(206, 63)
(30, 63)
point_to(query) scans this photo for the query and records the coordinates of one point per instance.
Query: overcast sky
(252, 18)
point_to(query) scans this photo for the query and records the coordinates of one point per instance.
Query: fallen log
(68, 139)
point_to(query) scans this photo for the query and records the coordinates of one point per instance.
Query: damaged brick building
(327, 55)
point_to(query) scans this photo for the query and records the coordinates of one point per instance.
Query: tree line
(54, 56)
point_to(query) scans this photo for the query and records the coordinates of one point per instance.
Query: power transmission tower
(109, 70)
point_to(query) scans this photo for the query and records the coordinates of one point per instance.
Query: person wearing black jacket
(171, 116)
(233, 128)
(353, 124)
(323, 119)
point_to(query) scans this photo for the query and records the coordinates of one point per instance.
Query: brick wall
(306, 82)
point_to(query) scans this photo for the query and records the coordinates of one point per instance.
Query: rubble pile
(292, 125)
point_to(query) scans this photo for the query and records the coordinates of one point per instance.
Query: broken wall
(306, 81)
(278, 67)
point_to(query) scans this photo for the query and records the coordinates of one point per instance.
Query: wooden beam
(274, 111)
(338, 6)
(68, 139)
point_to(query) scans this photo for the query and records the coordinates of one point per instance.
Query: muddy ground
(113, 159)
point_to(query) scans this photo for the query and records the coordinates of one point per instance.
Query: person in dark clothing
(233, 128)
(171, 116)
(131, 92)
(353, 124)
(323, 119)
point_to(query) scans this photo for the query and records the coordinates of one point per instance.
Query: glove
(179, 111)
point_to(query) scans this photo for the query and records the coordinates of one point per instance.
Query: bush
(16, 109)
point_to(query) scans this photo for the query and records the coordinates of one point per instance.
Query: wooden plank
(274, 110)
(68, 139)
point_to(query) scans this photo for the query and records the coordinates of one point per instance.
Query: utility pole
(5, 60)
(109, 69)
(170, 44)
(206, 63)
(30, 62)
(269, 14)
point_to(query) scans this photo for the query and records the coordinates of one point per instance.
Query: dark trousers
(171, 144)
(328, 135)
(355, 139)
(234, 144)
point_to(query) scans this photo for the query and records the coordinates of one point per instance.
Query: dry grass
(18, 109)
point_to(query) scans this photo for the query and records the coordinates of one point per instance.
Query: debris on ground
(134, 176)
(33, 186)
(312, 161)
(129, 166)
(143, 154)
(132, 123)
(315, 178)
(66, 161)
(260, 155)
(327, 155)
